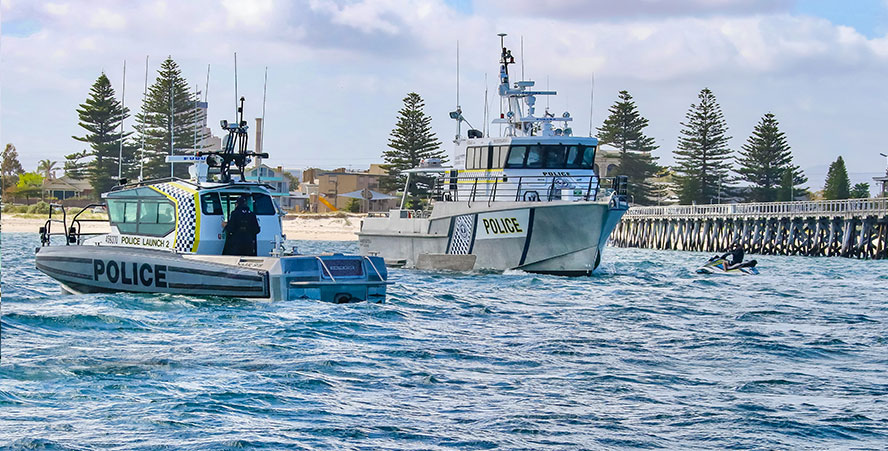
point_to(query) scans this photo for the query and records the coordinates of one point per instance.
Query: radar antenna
(234, 150)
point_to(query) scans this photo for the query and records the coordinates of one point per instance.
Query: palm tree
(48, 168)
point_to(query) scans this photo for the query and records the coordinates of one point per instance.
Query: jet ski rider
(736, 254)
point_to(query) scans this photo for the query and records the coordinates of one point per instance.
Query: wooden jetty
(856, 228)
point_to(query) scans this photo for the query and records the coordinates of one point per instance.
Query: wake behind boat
(530, 199)
(168, 236)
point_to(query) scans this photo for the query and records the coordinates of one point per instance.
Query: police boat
(169, 236)
(530, 199)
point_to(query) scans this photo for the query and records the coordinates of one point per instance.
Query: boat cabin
(186, 218)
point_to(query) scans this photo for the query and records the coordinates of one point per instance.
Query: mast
(122, 120)
(142, 152)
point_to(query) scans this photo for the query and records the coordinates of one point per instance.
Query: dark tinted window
(210, 204)
(574, 157)
(262, 205)
(516, 157)
(588, 158)
(554, 157)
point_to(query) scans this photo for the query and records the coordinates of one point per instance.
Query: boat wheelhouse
(529, 199)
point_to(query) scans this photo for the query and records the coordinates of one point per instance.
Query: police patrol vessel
(167, 236)
(530, 199)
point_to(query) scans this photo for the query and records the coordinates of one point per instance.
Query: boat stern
(333, 278)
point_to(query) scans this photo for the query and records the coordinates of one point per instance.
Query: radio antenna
(522, 58)
(207, 88)
(122, 120)
(142, 150)
(235, 85)
(591, 103)
(261, 130)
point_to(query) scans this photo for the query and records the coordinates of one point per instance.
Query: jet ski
(718, 265)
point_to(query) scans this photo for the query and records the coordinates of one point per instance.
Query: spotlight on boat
(223, 123)
(454, 115)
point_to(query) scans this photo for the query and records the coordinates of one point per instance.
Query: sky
(339, 69)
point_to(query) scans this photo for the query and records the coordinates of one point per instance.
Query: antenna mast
(207, 88)
(235, 84)
(172, 119)
(458, 109)
(261, 130)
(142, 150)
(123, 108)
(591, 103)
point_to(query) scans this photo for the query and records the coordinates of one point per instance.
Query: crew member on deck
(241, 230)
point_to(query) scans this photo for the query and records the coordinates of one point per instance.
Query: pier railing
(876, 206)
(849, 228)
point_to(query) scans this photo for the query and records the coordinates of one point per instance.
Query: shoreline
(301, 227)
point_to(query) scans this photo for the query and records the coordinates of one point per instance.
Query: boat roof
(143, 188)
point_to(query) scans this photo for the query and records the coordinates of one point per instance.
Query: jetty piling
(854, 228)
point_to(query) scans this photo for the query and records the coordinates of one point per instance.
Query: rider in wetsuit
(241, 230)
(736, 254)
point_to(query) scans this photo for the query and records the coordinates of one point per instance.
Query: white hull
(562, 238)
(105, 269)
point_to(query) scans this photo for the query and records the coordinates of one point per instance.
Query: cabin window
(470, 158)
(534, 157)
(259, 203)
(210, 204)
(263, 205)
(503, 153)
(588, 158)
(484, 158)
(554, 157)
(516, 157)
(156, 218)
(146, 217)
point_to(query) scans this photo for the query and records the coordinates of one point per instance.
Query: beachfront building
(66, 187)
(340, 187)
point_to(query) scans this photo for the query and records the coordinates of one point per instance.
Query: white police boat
(167, 237)
(530, 199)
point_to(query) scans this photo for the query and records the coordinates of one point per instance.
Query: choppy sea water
(643, 354)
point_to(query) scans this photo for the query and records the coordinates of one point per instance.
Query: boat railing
(527, 188)
(73, 234)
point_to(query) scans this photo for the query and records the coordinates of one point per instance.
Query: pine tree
(411, 141)
(703, 155)
(860, 191)
(101, 116)
(765, 159)
(160, 117)
(837, 184)
(624, 129)
(786, 192)
(10, 168)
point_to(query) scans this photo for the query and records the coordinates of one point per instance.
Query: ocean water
(643, 354)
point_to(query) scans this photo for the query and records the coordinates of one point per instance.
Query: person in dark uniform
(241, 230)
(736, 254)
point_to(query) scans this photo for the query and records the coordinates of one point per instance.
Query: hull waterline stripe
(222, 274)
(529, 235)
(65, 259)
(62, 272)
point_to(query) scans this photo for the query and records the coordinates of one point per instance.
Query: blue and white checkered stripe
(186, 214)
(463, 231)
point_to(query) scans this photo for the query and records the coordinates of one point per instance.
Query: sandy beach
(304, 227)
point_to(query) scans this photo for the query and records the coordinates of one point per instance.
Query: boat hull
(108, 269)
(562, 238)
